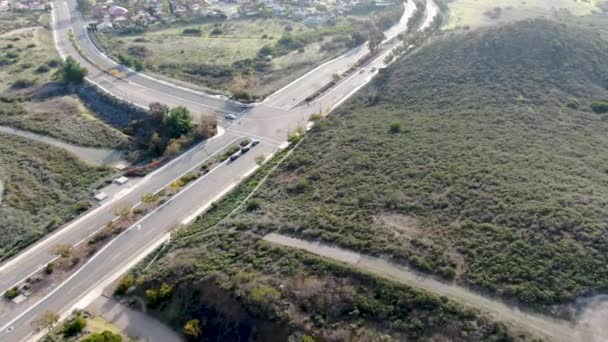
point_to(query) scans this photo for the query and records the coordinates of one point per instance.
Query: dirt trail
(546, 327)
(94, 156)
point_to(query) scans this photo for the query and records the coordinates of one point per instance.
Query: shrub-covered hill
(540, 64)
(476, 158)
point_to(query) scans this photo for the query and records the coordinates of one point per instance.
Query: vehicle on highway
(255, 142)
(372, 69)
(235, 155)
(362, 70)
(230, 116)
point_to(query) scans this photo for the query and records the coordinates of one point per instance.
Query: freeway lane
(40, 254)
(271, 124)
(120, 251)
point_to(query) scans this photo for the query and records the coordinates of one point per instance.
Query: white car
(230, 116)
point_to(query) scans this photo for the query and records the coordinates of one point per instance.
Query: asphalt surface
(269, 122)
(135, 324)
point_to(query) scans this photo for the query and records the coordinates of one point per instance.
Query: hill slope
(476, 158)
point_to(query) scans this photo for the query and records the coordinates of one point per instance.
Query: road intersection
(269, 121)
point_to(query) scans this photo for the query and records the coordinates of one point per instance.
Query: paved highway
(269, 122)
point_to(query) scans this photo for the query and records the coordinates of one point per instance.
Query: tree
(357, 38)
(374, 40)
(83, 5)
(46, 320)
(174, 147)
(192, 329)
(207, 126)
(178, 122)
(157, 144)
(72, 72)
(158, 111)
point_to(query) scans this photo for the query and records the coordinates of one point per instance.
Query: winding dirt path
(545, 327)
(89, 155)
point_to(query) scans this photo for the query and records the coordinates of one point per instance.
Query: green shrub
(125, 283)
(11, 293)
(22, 83)
(72, 71)
(599, 107)
(253, 205)
(395, 128)
(49, 268)
(106, 336)
(192, 329)
(74, 327)
(299, 186)
(41, 69)
(192, 31)
(156, 296)
(572, 104)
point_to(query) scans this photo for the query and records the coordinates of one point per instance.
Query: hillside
(477, 158)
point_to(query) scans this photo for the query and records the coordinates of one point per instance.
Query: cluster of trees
(174, 128)
(72, 71)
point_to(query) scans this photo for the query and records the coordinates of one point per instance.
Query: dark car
(234, 156)
(255, 142)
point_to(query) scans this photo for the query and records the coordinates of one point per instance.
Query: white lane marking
(249, 135)
(118, 217)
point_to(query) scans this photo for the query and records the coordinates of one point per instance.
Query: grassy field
(30, 100)
(10, 20)
(477, 13)
(227, 56)
(26, 54)
(43, 186)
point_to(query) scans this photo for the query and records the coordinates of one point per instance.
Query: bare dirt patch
(399, 223)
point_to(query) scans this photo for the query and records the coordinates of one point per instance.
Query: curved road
(269, 122)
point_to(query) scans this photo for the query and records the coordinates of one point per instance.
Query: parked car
(372, 69)
(244, 149)
(230, 116)
(255, 142)
(235, 155)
